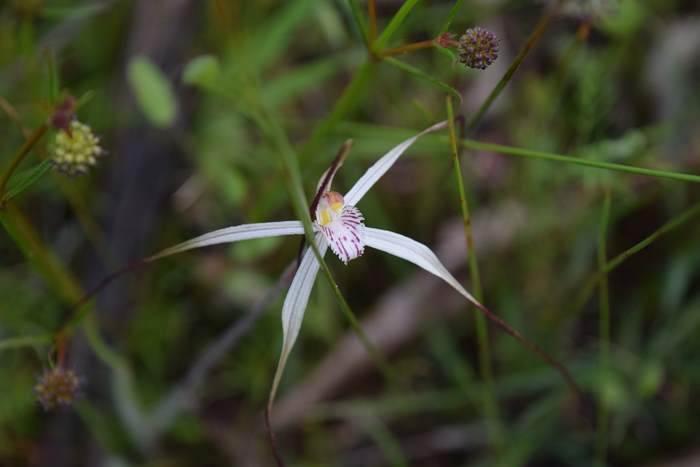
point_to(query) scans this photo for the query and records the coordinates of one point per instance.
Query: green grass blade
(451, 16)
(420, 74)
(394, 24)
(547, 156)
(25, 179)
(24, 341)
(356, 11)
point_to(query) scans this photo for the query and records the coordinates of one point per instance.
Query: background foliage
(172, 87)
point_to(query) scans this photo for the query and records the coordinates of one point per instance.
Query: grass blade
(394, 24)
(420, 74)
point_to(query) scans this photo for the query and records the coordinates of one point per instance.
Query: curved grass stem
(603, 333)
(539, 30)
(611, 265)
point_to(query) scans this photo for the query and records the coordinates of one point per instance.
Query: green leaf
(153, 91)
(202, 71)
(420, 74)
(360, 23)
(23, 180)
(394, 24)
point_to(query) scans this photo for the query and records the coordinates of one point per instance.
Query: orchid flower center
(342, 226)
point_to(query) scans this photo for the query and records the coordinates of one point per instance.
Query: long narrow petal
(415, 252)
(295, 306)
(380, 167)
(235, 234)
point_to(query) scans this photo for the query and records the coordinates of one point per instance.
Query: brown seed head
(478, 48)
(57, 387)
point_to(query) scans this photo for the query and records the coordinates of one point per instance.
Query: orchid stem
(19, 156)
(485, 359)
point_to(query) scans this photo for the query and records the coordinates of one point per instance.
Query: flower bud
(478, 48)
(76, 150)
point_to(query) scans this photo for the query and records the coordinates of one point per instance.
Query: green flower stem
(603, 333)
(533, 154)
(485, 359)
(611, 265)
(19, 156)
(532, 40)
(279, 138)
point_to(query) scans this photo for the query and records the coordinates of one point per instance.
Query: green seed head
(77, 150)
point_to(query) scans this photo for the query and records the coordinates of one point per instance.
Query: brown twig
(372, 15)
(407, 48)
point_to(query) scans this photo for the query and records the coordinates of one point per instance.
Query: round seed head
(57, 387)
(478, 48)
(76, 149)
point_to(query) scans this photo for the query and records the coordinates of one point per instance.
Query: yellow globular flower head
(57, 387)
(76, 150)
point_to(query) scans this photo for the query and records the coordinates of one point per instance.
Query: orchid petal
(415, 252)
(295, 306)
(380, 167)
(234, 234)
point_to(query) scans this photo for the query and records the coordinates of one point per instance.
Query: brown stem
(21, 153)
(407, 48)
(74, 315)
(491, 316)
(272, 438)
(13, 115)
(372, 14)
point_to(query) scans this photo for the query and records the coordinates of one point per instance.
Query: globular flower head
(77, 149)
(57, 387)
(478, 48)
(342, 226)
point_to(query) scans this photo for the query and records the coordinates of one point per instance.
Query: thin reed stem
(603, 333)
(485, 358)
(540, 28)
(611, 265)
(552, 157)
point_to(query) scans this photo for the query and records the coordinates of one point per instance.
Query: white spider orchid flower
(338, 224)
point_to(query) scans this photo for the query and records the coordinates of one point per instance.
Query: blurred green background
(171, 87)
